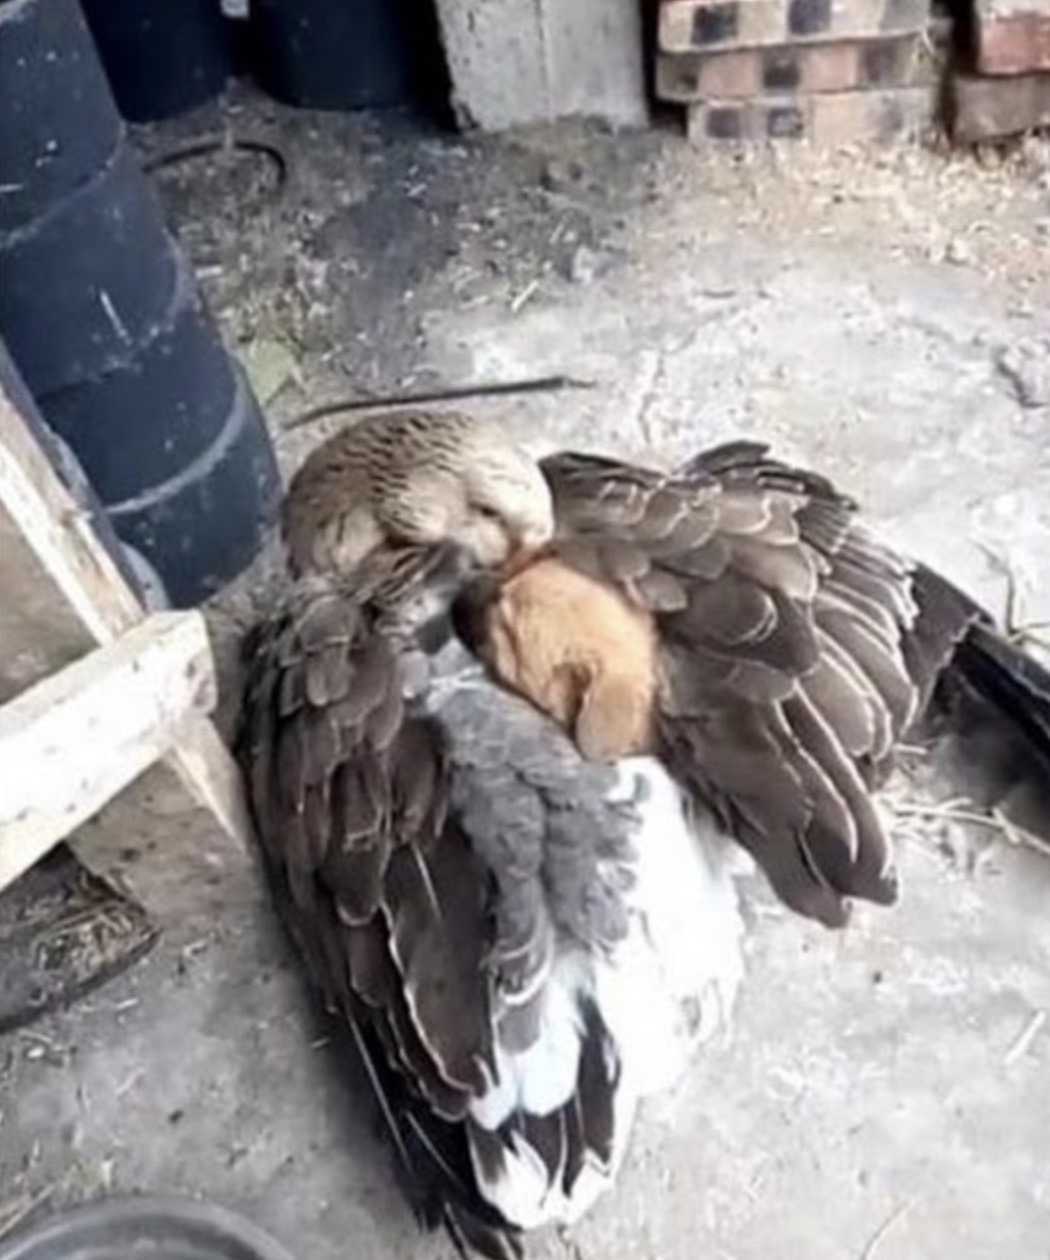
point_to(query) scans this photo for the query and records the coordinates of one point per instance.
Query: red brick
(704, 25)
(826, 119)
(986, 108)
(1013, 43)
(746, 72)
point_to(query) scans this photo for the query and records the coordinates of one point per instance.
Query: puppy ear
(614, 719)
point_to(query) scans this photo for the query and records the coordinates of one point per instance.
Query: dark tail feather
(946, 617)
(989, 697)
(954, 640)
(432, 1161)
(986, 698)
(1012, 681)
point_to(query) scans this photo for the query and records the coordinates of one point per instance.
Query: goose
(510, 736)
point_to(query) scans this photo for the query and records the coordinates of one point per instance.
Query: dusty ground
(886, 1092)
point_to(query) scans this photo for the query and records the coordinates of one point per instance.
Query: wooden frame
(73, 632)
(70, 743)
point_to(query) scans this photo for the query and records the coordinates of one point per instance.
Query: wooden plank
(57, 531)
(70, 743)
(39, 630)
(64, 595)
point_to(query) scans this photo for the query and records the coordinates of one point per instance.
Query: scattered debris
(127, 1086)
(270, 365)
(519, 300)
(958, 251)
(894, 1218)
(63, 932)
(961, 810)
(1028, 1035)
(1027, 367)
(189, 952)
(41, 1049)
(558, 175)
(583, 265)
(1024, 633)
(1018, 836)
(17, 1211)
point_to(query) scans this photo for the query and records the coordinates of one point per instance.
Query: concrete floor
(877, 1098)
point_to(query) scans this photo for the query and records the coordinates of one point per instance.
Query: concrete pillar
(526, 61)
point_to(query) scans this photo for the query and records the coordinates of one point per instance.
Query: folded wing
(792, 652)
(457, 879)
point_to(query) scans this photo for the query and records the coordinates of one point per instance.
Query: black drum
(162, 58)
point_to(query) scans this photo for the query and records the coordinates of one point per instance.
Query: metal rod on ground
(533, 386)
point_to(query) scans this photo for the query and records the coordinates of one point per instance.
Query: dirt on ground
(327, 259)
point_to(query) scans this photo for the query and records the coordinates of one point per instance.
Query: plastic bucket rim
(61, 1234)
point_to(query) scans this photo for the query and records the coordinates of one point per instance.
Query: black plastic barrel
(162, 56)
(161, 1228)
(340, 55)
(60, 125)
(103, 319)
(216, 508)
(90, 278)
(149, 416)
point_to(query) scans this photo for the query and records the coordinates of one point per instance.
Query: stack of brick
(1008, 89)
(828, 71)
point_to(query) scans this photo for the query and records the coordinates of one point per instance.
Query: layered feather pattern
(464, 887)
(792, 652)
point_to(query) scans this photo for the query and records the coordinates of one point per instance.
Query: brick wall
(827, 71)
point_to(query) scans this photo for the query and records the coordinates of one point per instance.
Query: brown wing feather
(350, 809)
(786, 653)
(427, 870)
(380, 897)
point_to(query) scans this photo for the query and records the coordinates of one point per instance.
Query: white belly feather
(673, 982)
(665, 989)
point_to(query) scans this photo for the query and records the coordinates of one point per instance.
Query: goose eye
(488, 513)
